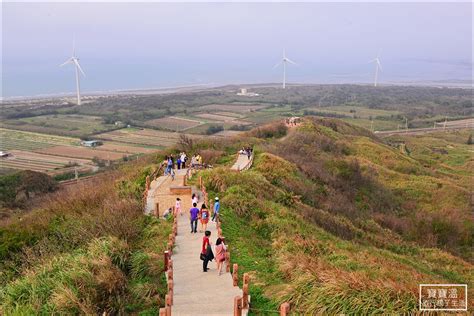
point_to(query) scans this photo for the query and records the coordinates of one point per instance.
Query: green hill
(329, 218)
(334, 220)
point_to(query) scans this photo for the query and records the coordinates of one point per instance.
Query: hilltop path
(195, 292)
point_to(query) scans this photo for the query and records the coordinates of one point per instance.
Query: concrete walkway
(197, 292)
(159, 192)
(241, 162)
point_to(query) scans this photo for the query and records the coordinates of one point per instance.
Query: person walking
(217, 207)
(194, 198)
(220, 254)
(178, 162)
(206, 251)
(204, 216)
(199, 160)
(193, 216)
(169, 166)
(183, 160)
(177, 207)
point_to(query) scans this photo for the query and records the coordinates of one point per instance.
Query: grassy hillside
(88, 250)
(334, 220)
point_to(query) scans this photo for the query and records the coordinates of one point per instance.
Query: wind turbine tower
(75, 61)
(284, 61)
(378, 67)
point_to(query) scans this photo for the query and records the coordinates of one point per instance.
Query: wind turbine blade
(279, 63)
(66, 62)
(79, 67)
(291, 62)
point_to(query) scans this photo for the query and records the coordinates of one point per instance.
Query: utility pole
(406, 124)
(372, 125)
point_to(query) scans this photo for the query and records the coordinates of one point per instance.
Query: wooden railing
(168, 269)
(249, 163)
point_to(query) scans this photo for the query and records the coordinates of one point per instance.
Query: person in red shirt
(206, 251)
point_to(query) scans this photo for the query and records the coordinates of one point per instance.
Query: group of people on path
(203, 215)
(179, 162)
(246, 151)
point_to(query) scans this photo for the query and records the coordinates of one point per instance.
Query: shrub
(271, 130)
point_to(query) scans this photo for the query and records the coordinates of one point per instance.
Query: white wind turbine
(283, 61)
(75, 61)
(378, 67)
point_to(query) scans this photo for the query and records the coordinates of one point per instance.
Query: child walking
(177, 207)
(204, 216)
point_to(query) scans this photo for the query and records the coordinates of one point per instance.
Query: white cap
(217, 199)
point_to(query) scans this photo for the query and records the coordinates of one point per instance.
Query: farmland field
(12, 139)
(231, 114)
(222, 118)
(357, 111)
(61, 124)
(81, 152)
(237, 108)
(145, 137)
(124, 148)
(39, 162)
(173, 123)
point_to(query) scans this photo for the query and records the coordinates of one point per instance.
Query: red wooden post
(170, 285)
(245, 297)
(157, 209)
(170, 248)
(237, 306)
(170, 294)
(235, 274)
(227, 261)
(246, 278)
(147, 182)
(168, 300)
(284, 309)
(166, 257)
(163, 311)
(170, 274)
(168, 310)
(170, 263)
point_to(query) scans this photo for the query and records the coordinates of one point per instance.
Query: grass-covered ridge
(333, 220)
(88, 250)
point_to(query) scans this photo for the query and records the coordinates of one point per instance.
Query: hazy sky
(151, 45)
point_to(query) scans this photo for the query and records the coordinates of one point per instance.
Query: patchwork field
(173, 123)
(236, 108)
(49, 153)
(60, 124)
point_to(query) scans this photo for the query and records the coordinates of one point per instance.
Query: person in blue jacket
(217, 206)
